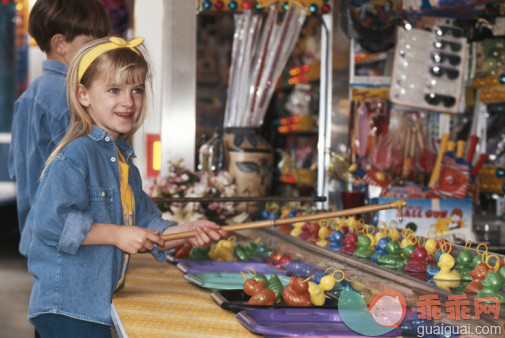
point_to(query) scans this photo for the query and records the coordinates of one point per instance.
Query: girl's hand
(206, 233)
(134, 239)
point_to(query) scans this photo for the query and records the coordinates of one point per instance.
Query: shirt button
(107, 138)
(113, 159)
(103, 193)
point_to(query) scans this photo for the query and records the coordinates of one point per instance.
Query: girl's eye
(138, 90)
(114, 90)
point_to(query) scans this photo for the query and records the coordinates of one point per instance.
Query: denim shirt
(82, 186)
(40, 120)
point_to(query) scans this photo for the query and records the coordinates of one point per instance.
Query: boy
(41, 116)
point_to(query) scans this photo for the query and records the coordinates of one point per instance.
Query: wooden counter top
(158, 302)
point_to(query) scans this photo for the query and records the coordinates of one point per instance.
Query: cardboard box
(423, 215)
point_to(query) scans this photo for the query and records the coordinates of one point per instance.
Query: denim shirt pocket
(99, 197)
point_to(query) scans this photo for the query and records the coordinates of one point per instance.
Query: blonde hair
(120, 66)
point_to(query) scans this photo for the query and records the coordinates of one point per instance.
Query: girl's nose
(127, 100)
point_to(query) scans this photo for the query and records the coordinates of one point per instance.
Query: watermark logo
(388, 308)
(385, 313)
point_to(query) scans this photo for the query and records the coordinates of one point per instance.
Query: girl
(90, 211)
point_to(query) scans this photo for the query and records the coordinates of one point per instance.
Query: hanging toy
(408, 238)
(479, 258)
(393, 232)
(296, 293)
(493, 282)
(381, 231)
(369, 230)
(418, 258)
(327, 282)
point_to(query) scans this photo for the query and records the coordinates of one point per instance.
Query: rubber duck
(477, 259)
(296, 293)
(463, 263)
(381, 231)
(349, 243)
(407, 251)
(394, 259)
(317, 296)
(490, 285)
(297, 229)
(417, 263)
(352, 223)
(478, 274)
(334, 240)
(223, 250)
(363, 245)
(310, 231)
(323, 233)
(446, 263)
(380, 248)
(447, 284)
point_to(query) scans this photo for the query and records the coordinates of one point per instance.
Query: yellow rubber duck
(224, 250)
(323, 232)
(316, 294)
(297, 229)
(445, 263)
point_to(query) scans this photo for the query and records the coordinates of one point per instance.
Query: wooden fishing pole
(398, 204)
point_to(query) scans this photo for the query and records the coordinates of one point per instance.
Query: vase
(249, 160)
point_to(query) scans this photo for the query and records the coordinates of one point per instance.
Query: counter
(158, 302)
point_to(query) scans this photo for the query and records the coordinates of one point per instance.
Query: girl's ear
(82, 95)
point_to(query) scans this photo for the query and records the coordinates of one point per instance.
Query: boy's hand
(134, 239)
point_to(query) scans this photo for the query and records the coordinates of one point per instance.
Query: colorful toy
(463, 263)
(182, 251)
(380, 248)
(417, 263)
(349, 243)
(394, 259)
(432, 270)
(198, 254)
(296, 293)
(297, 229)
(317, 296)
(244, 253)
(407, 251)
(446, 263)
(323, 233)
(334, 240)
(478, 274)
(493, 282)
(223, 250)
(363, 244)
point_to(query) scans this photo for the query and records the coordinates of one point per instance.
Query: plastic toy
(478, 274)
(223, 250)
(334, 240)
(446, 263)
(407, 251)
(394, 259)
(198, 254)
(380, 248)
(417, 263)
(317, 296)
(463, 263)
(323, 233)
(493, 282)
(363, 244)
(296, 293)
(349, 243)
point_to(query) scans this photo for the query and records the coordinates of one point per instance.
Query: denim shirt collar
(54, 66)
(98, 134)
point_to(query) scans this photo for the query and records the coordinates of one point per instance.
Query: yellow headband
(114, 43)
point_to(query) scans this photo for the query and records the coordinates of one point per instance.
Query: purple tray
(218, 266)
(296, 322)
(171, 258)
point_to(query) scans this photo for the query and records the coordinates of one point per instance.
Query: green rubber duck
(476, 260)
(363, 244)
(394, 259)
(198, 254)
(491, 284)
(407, 251)
(463, 265)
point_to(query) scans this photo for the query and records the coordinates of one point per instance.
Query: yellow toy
(324, 231)
(223, 250)
(381, 231)
(352, 223)
(328, 282)
(316, 294)
(368, 231)
(408, 238)
(297, 229)
(431, 244)
(445, 263)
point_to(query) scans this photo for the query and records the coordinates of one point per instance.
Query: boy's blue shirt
(41, 118)
(79, 187)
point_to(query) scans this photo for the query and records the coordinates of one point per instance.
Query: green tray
(222, 280)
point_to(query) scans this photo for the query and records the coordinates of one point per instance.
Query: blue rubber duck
(335, 238)
(380, 248)
(432, 270)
